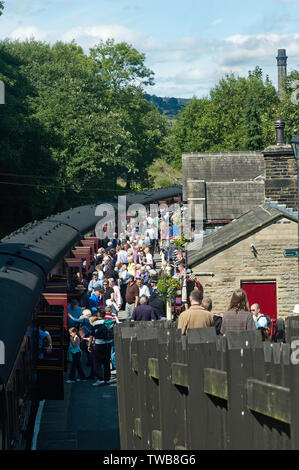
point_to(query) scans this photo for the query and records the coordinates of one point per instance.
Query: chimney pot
(279, 126)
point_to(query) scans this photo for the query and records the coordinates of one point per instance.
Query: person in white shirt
(122, 256)
(143, 289)
(149, 258)
(150, 220)
(259, 319)
(117, 295)
(151, 232)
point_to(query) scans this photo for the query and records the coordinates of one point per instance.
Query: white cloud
(261, 47)
(189, 65)
(192, 64)
(88, 36)
(28, 32)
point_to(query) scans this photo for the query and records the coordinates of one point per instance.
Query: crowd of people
(123, 285)
(239, 317)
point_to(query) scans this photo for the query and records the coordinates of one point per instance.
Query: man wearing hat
(84, 297)
(156, 300)
(94, 283)
(95, 300)
(132, 296)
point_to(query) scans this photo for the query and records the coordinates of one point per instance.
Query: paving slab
(87, 419)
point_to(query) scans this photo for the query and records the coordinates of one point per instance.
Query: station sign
(294, 253)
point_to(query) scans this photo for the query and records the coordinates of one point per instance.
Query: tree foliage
(232, 117)
(76, 122)
(24, 149)
(289, 106)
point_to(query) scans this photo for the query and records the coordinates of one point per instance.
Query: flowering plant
(168, 286)
(181, 242)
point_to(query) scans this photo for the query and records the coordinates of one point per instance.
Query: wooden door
(264, 294)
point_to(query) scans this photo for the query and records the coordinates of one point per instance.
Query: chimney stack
(281, 170)
(282, 70)
(279, 126)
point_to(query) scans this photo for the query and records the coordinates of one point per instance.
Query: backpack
(272, 325)
(269, 322)
(109, 325)
(217, 323)
(101, 332)
(280, 333)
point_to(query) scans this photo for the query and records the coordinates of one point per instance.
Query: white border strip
(37, 424)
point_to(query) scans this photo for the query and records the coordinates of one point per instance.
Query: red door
(264, 294)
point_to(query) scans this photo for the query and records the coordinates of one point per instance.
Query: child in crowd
(75, 351)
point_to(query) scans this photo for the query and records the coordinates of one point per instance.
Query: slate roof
(237, 230)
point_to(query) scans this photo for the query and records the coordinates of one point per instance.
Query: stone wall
(238, 263)
(222, 166)
(230, 200)
(281, 175)
(218, 170)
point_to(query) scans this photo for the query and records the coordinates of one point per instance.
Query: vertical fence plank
(285, 381)
(172, 432)
(205, 409)
(181, 408)
(292, 328)
(268, 354)
(239, 368)
(123, 337)
(276, 375)
(147, 389)
(258, 368)
(223, 406)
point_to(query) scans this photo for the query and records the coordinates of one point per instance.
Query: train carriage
(28, 259)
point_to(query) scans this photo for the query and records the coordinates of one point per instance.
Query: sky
(189, 44)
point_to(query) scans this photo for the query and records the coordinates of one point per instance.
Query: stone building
(250, 253)
(249, 201)
(229, 184)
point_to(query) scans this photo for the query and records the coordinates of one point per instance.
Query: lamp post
(295, 146)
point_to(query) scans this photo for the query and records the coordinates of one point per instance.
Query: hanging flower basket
(168, 286)
(181, 242)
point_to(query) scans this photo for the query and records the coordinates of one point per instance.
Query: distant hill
(168, 106)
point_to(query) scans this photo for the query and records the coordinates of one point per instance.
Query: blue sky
(189, 44)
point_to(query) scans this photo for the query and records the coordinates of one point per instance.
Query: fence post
(205, 420)
(123, 337)
(172, 397)
(239, 368)
(147, 388)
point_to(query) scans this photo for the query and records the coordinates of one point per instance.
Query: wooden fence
(205, 391)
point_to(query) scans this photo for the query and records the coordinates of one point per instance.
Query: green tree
(97, 119)
(233, 117)
(124, 76)
(24, 151)
(121, 66)
(1, 8)
(288, 107)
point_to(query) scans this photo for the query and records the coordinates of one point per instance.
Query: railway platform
(87, 419)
